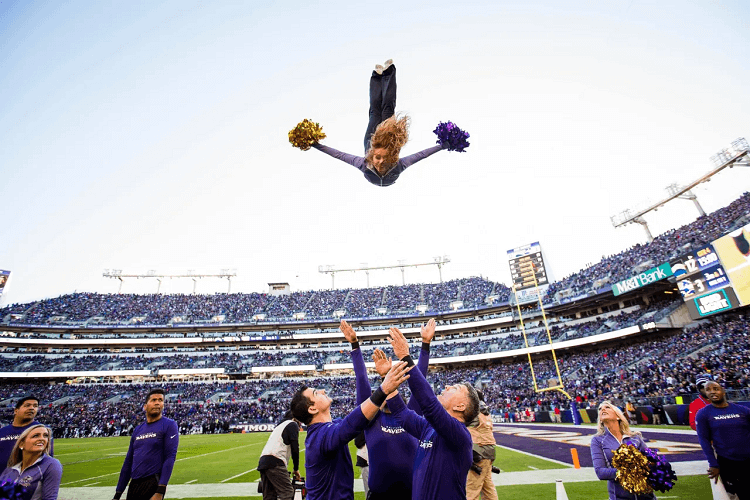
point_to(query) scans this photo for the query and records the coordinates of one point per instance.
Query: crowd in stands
(155, 309)
(663, 248)
(243, 361)
(643, 372)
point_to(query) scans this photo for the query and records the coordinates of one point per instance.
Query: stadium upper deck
(470, 295)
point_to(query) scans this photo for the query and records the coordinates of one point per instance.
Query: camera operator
(479, 480)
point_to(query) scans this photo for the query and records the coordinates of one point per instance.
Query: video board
(734, 253)
(526, 263)
(716, 277)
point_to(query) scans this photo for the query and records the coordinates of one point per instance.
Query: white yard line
(93, 450)
(192, 481)
(531, 467)
(535, 456)
(178, 460)
(238, 475)
(92, 484)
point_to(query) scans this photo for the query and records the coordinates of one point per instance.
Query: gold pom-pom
(305, 134)
(632, 469)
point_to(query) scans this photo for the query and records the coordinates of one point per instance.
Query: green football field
(206, 461)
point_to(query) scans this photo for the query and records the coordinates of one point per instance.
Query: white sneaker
(379, 69)
(387, 64)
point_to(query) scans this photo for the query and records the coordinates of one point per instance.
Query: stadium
(157, 139)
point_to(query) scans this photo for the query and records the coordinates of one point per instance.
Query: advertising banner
(646, 277)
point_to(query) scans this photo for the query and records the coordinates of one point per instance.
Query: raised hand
(382, 363)
(428, 331)
(349, 333)
(396, 376)
(399, 343)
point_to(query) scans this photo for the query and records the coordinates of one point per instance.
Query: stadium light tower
(118, 274)
(735, 155)
(402, 265)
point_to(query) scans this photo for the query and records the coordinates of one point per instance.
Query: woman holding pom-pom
(612, 431)
(386, 134)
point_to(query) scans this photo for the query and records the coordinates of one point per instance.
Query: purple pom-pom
(11, 491)
(451, 137)
(661, 476)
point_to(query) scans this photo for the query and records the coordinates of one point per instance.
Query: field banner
(646, 277)
(734, 252)
(4, 276)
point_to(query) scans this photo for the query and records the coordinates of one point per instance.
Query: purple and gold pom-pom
(632, 469)
(451, 137)
(305, 134)
(661, 476)
(11, 491)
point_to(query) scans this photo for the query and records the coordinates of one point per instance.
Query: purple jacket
(371, 175)
(41, 480)
(601, 453)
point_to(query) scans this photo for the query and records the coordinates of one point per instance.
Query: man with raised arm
(151, 454)
(391, 450)
(328, 462)
(444, 453)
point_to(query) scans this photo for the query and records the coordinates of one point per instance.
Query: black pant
(143, 488)
(275, 483)
(382, 100)
(734, 475)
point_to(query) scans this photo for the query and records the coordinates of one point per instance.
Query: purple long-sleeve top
(41, 479)
(152, 450)
(371, 175)
(328, 462)
(390, 448)
(602, 448)
(443, 453)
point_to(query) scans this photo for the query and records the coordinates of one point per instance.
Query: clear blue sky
(152, 135)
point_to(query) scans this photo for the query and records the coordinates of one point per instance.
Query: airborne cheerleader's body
(386, 134)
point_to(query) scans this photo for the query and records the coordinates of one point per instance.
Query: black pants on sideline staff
(276, 484)
(143, 488)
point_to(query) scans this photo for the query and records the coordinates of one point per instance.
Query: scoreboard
(525, 264)
(715, 277)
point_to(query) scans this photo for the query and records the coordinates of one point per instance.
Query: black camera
(495, 470)
(476, 468)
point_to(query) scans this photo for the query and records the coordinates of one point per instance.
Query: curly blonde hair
(390, 135)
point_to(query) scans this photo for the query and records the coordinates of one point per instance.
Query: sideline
(549, 476)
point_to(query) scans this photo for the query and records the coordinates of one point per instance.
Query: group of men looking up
(422, 450)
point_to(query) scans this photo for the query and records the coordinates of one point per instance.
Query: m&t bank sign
(646, 277)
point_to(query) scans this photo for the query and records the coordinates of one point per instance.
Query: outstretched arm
(444, 424)
(410, 160)
(360, 370)
(355, 161)
(428, 332)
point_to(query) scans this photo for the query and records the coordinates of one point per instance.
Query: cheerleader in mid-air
(385, 136)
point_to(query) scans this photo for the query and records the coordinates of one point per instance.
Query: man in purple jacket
(391, 449)
(444, 453)
(328, 462)
(727, 426)
(151, 454)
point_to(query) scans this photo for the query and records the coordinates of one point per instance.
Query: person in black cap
(701, 401)
(23, 417)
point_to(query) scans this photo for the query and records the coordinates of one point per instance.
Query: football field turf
(227, 462)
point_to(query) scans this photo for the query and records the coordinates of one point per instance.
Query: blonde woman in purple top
(31, 466)
(612, 431)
